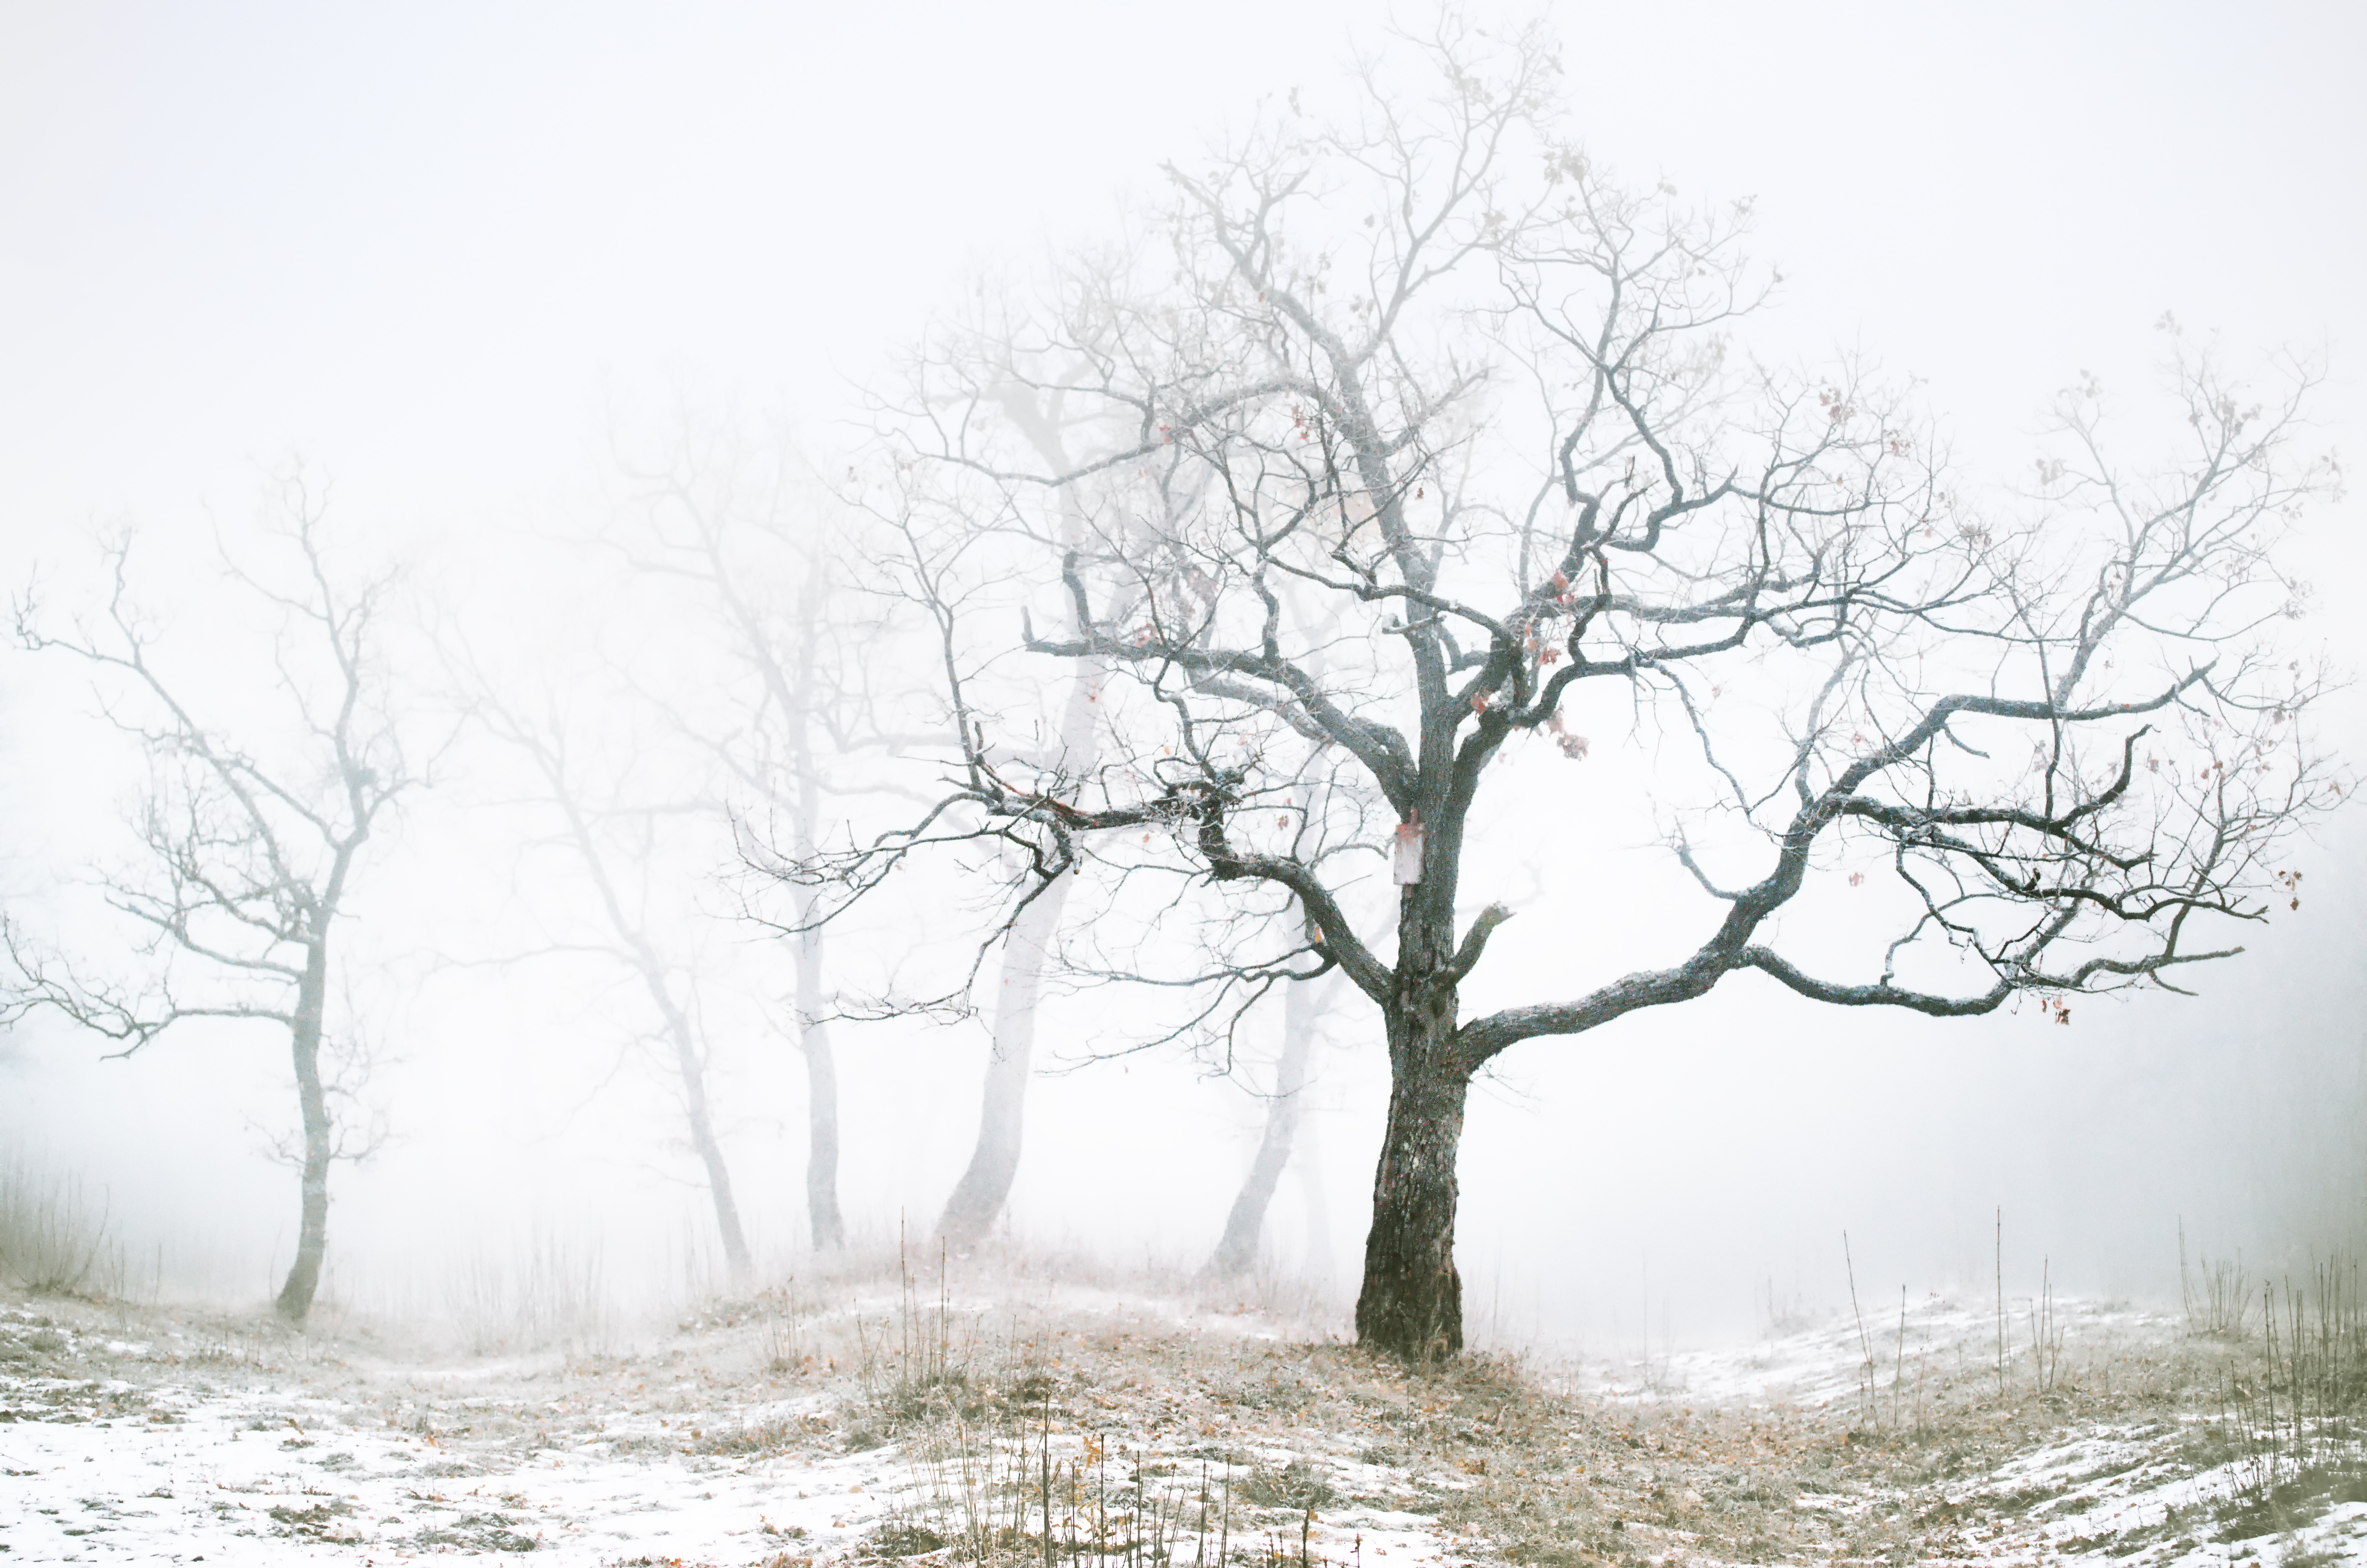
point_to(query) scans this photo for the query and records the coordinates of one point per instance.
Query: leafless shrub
(553, 1294)
(54, 1240)
(2217, 1294)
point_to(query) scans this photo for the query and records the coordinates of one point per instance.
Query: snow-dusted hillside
(867, 1422)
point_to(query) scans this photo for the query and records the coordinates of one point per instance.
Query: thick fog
(489, 283)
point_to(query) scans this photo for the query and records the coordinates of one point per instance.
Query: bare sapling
(1865, 1344)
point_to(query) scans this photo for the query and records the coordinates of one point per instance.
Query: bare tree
(1028, 948)
(249, 840)
(1236, 1248)
(613, 836)
(1417, 443)
(754, 547)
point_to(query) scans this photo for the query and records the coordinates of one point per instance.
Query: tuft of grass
(762, 1438)
(1297, 1484)
(552, 1294)
(54, 1240)
(2289, 1416)
(2218, 1295)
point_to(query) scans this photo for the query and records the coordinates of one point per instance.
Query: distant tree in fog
(606, 818)
(1410, 450)
(1303, 1007)
(723, 686)
(759, 574)
(1028, 946)
(261, 802)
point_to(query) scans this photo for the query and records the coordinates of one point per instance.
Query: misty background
(468, 268)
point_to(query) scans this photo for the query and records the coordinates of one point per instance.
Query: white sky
(433, 247)
(426, 244)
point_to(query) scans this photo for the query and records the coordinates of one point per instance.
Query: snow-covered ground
(1919, 1343)
(753, 1435)
(2136, 1491)
(192, 1446)
(155, 1452)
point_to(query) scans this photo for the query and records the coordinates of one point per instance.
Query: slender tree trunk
(1236, 1249)
(1309, 1167)
(829, 1227)
(688, 1062)
(822, 1100)
(295, 1302)
(703, 1141)
(978, 1197)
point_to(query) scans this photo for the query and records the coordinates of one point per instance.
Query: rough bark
(303, 1283)
(1236, 1249)
(1411, 1303)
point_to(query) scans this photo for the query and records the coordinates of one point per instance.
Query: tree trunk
(978, 1197)
(822, 1100)
(710, 1152)
(1315, 1210)
(827, 1226)
(1411, 1302)
(295, 1302)
(1236, 1249)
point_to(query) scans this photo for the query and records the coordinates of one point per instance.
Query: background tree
(250, 834)
(1442, 377)
(617, 811)
(1029, 947)
(756, 558)
(1303, 1008)
(1304, 1011)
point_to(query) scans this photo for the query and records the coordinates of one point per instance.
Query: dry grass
(1150, 1429)
(553, 1294)
(53, 1236)
(1014, 1416)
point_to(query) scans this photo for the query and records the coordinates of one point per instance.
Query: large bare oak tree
(1408, 445)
